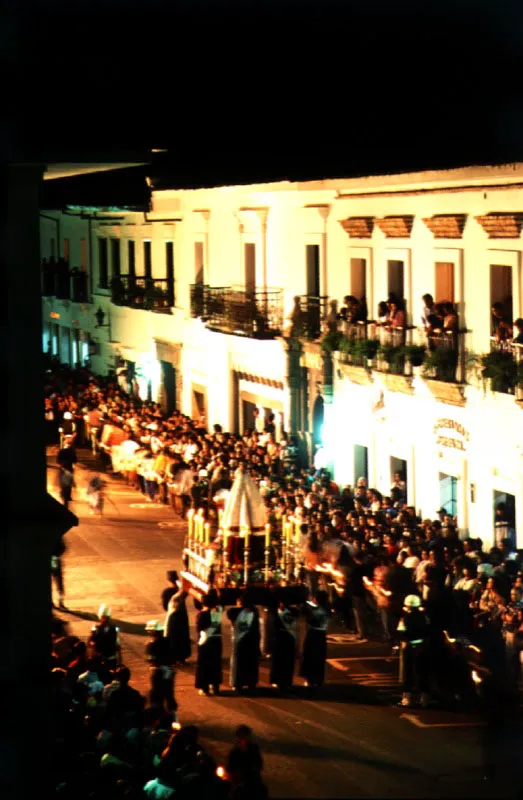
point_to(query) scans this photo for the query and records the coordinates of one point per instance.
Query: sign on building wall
(450, 433)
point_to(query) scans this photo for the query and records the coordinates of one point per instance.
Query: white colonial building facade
(196, 295)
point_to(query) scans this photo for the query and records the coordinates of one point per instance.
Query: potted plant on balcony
(331, 342)
(441, 364)
(365, 351)
(414, 355)
(501, 369)
(392, 356)
(346, 347)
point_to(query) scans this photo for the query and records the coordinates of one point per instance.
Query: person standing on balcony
(427, 312)
(518, 331)
(501, 325)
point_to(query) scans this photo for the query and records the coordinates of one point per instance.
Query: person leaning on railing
(501, 324)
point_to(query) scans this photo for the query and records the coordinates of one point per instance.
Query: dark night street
(351, 740)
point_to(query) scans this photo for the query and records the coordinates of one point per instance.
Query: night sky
(259, 90)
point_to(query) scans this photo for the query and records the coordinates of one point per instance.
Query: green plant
(500, 368)
(392, 354)
(443, 362)
(331, 341)
(366, 349)
(346, 344)
(416, 353)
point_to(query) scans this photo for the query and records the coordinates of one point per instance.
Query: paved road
(351, 740)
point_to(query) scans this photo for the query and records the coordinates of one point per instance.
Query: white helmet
(153, 625)
(412, 601)
(104, 611)
(68, 415)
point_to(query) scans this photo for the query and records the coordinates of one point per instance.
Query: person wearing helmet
(159, 656)
(67, 427)
(413, 632)
(104, 641)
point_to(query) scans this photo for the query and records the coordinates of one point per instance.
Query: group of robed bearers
(245, 656)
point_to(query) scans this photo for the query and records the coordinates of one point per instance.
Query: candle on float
(297, 532)
(267, 535)
(207, 533)
(190, 521)
(246, 535)
(220, 517)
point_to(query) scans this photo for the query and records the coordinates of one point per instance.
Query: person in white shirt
(411, 559)
(419, 574)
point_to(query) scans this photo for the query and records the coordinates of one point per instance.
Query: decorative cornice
(446, 226)
(358, 227)
(502, 224)
(396, 227)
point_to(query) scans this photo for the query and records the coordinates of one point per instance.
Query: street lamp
(100, 316)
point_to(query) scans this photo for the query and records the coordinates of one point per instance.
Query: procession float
(241, 550)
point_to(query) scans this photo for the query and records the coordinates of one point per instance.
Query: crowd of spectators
(376, 547)
(112, 742)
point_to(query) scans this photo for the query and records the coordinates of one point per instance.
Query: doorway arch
(318, 417)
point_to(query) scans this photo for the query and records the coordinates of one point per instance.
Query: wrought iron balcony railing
(231, 309)
(398, 350)
(504, 367)
(313, 310)
(150, 294)
(59, 281)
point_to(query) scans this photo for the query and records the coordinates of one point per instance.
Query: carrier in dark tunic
(209, 664)
(177, 627)
(245, 652)
(283, 647)
(315, 645)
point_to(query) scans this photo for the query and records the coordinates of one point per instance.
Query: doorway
(250, 267)
(199, 410)
(448, 493)
(399, 466)
(318, 418)
(169, 386)
(358, 279)
(312, 265)
(361, 462)
(395, 275)
(444, 282)
(504, 511)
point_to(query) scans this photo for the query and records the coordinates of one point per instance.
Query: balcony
(59, 281)
(149, 294)
(312, 311)
(231, 309)
(79, 290)
(503, 366)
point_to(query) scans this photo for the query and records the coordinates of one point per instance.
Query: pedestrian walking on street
(96, 495)
(177, 625)
(284, 646)
(65, 483)
(158, 655)
(317, 612)
(245, 652)
(209, 628)
(413, 632)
